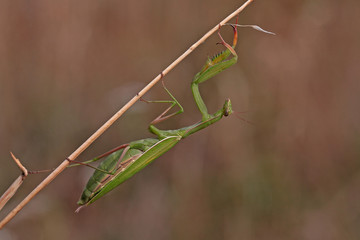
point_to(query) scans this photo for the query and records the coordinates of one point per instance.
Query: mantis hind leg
(86, 163)
(164, 116)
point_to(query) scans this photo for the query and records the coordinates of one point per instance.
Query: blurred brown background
(67, 66)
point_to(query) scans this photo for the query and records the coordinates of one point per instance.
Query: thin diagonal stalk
(107, 124)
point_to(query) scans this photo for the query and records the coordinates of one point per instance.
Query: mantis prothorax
(126, 160)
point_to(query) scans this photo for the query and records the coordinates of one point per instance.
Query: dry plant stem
(104, 127)
(9, 193)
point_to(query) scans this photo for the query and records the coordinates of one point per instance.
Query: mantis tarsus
(126, 160)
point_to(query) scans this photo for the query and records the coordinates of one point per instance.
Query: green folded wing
(135, 166)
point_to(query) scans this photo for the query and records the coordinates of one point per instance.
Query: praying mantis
(124, 161)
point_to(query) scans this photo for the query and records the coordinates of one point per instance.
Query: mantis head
(227, 109)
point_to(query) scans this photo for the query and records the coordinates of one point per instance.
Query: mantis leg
(77, 163)
(212, 67)
(86, 163)
(163, 116)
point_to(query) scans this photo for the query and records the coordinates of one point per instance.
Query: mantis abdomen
(123, 164)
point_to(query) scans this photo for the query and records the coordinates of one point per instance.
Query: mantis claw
(231, 49)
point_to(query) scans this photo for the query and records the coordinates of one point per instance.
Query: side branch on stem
(15, 185)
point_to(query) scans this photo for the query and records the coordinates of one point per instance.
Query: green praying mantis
(124, 161)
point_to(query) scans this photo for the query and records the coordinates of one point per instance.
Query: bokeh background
(293, 173)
